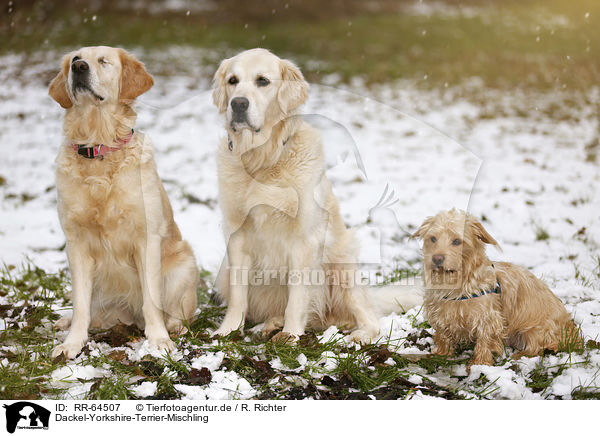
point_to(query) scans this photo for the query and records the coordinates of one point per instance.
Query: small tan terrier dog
(470, 299)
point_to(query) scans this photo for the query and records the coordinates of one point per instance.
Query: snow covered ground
(520, 170)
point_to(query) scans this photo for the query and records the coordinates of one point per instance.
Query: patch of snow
(143, 348)
(416, 379)
(74, 372)
(210, 360)
(302, 359)
(509, 385)
(328, 360)
(145, 389)
(583, 374)
(418, 395)
(225, 385)
(332, 334)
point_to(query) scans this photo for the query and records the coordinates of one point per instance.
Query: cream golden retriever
(291, 262)
(127, 259)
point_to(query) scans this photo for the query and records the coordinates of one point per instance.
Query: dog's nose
(80, 66)
(438, 259)
(240, 104)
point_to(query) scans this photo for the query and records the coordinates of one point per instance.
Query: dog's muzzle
(441, 269)
(239, 112)
(81, 69)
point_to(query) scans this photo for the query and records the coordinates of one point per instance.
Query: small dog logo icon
(24, 414)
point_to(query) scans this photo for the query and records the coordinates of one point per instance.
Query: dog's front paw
(68, 349)
(479, 361)
(272, 325)
(220, 332)
(63, 323)
(520, 354)
(444, 351)
(362, 336)
(285, 338)
(162, 344)
(223, 331)
(228, 327)
(174, 325)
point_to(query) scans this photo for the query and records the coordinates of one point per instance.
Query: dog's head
(256, 90)
(453, 247)
(99, 75)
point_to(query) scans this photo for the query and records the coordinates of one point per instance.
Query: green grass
(541, 234)
(540, 378)
(373, 371)
(582, 277)
(509, 44)
(28, 336)
(110, 388)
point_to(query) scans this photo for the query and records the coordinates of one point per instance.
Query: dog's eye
(102, 61)
(456, 242)
(262, 81)
(433, 239)
(233, 80)
(76, 58)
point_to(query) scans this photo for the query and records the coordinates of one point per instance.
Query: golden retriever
(291, 262)
(470, 299)
(127, 259)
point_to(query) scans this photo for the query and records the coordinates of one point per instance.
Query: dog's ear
(58, 86)
(135, 80)
(219, 93)
(293, 90)
(424, 228)
(480, 232)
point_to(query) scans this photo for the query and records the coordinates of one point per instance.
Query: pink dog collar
(100, 150)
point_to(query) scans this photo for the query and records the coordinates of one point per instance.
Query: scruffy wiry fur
(526, 314)
(127, 259)
(279, 209)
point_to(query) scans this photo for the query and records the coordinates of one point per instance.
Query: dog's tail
(394, 298)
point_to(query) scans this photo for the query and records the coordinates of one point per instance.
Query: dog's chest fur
(460, 319)
(237, 190)
(271, 231)
(101, 197)
(297, 169)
